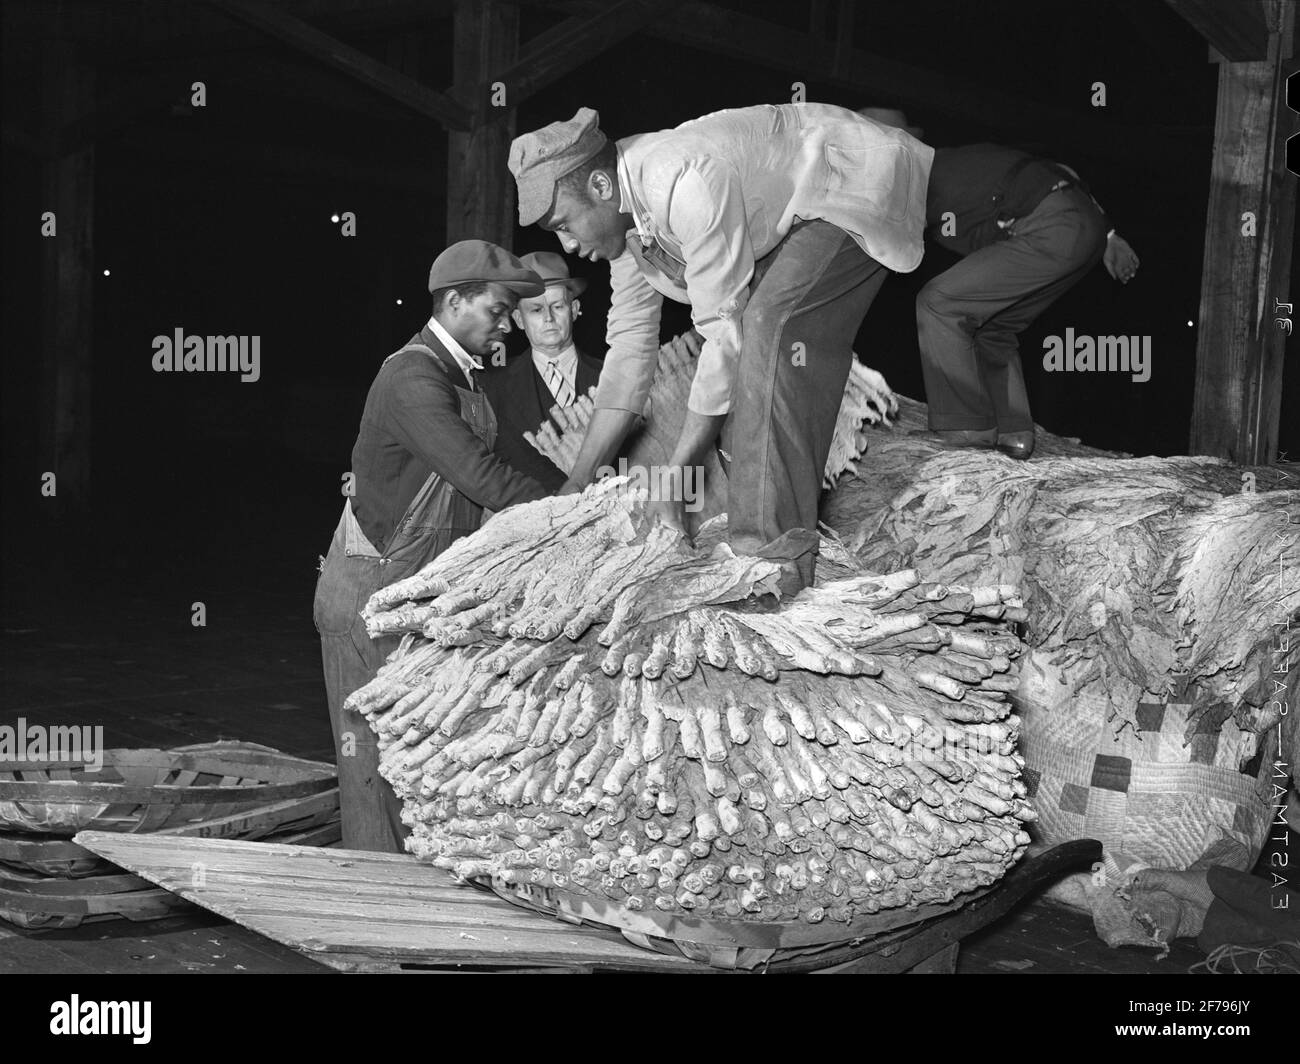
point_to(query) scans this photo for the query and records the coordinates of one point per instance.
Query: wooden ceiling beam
(1237, 29)
(357, 64)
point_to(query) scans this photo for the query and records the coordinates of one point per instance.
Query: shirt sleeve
(632, 333)
(425, 419)
(706, 215)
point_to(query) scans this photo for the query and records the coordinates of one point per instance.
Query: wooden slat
(350, 902)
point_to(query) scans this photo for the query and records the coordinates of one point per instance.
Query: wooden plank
(1239, 350)
(1236, 28)
(351, 61)
(574, 42)
(480, 190)
(352, 902)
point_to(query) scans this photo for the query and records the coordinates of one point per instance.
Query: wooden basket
(32, 900)
(35, 901)
(718, 942)
(52, 856)
(153, 790)
(892, 940)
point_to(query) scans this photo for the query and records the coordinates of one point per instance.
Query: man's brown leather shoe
(1017, 444)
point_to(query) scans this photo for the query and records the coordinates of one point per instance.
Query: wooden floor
(107, 639)
(1039, 939)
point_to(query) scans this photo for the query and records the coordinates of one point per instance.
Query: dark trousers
(807, 299)
(371, 813)
(969, 318)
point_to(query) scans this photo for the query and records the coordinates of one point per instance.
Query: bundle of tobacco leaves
(586, 702)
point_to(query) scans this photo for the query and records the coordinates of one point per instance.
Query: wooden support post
(1239, 349)
(480, 189)
(67, 284)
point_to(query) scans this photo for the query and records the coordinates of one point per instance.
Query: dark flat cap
(477, 260)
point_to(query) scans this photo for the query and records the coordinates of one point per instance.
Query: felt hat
(553, 270)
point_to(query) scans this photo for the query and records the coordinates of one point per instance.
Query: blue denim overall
(352, 572)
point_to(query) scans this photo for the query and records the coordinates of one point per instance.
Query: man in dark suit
(424, 473)
(552, 372)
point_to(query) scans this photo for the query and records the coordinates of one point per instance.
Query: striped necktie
(560, 388)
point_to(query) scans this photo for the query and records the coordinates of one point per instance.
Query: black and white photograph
(650, 487)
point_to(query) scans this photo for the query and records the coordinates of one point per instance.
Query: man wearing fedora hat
(553, 372)
(777, 225)
(423, 472)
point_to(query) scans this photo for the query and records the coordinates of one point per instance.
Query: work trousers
(970, 317)
(807, 299)
(371, 812)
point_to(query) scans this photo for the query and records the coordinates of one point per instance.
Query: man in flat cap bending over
(424, 473)
(777, 225)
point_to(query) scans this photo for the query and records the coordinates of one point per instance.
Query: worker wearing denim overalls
(424, 473)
